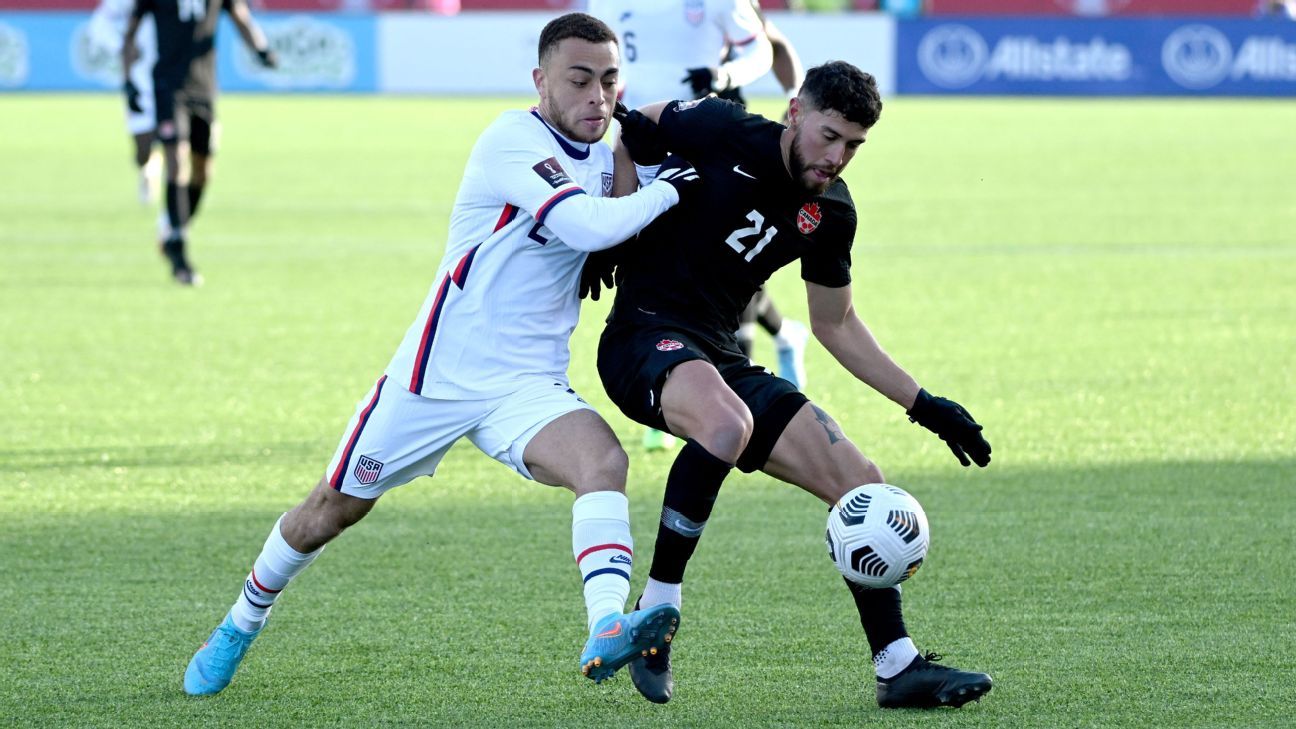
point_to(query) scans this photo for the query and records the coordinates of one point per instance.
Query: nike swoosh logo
(685, 529)
(739, 170)
(612, 632)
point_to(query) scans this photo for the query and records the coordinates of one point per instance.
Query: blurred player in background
(486, 358)
(107, 27)
(184, 87)
(669, 359)
(688, 49)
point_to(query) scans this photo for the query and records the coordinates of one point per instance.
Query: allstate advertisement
(56, 52)
(1185, 56)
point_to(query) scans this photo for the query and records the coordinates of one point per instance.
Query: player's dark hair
(573, 25)
(838, 86)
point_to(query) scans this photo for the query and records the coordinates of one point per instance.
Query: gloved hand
(132, 96)
(954, 425)
(705, 80)
(267, 58)
(639, 135)
(599, 272)
(681, 175)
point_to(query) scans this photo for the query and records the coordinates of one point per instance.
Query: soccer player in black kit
(669, 358)
(184, 81)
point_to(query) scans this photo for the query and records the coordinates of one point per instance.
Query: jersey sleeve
(690, 128)
(828, 261)
(739, 21)
(522, 170)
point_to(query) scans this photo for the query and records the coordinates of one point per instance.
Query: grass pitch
(1107, 285)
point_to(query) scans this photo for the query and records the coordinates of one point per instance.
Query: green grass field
(1109, 286)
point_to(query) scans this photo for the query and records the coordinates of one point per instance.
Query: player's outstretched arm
(839, 329)
(592, 224)
(252, 34)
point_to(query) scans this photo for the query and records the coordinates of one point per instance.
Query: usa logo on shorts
(367, 470)
(809, 217)
(669, 345)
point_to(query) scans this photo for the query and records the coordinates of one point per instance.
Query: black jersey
(186, 39)
(701, 262)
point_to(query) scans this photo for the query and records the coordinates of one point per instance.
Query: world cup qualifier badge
(552, 172)
(669, 345)
(367, 470)
(808, 218)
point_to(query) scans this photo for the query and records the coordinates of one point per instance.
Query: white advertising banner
(493, 53)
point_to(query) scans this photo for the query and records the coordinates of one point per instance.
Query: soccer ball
(877, 535)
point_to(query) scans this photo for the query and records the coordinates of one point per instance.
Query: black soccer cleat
(174, 251)
(651, 673)
(925, 684)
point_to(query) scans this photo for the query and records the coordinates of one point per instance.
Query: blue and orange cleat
(618, 639)
(214, 664)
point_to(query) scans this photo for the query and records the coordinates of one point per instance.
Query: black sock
(177, 203)
(768, 316)
(195, 194)
(691, 490)
(880, 615)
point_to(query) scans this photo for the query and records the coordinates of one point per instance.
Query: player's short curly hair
(838, 86)
(573, 25)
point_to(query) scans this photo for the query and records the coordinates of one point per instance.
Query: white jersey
(504, 300)
(661, 40)
(107, 30)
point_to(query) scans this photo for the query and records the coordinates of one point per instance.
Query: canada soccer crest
(809, 217)
(669, 345)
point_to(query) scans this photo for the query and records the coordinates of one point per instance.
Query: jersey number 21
(735, 239)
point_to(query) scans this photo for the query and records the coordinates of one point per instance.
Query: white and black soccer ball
(878, 535)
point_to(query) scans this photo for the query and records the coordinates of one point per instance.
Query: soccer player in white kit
(486, 358)
(105, 31)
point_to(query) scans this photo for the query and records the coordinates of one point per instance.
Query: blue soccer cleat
(214, 664)
(618, 639)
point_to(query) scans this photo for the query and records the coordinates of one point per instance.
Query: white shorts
(397, 436)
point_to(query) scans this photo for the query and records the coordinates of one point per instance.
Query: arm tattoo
(834, 432)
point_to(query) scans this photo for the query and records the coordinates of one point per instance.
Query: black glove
(266, 57)
(599, 272)
(132, 96)
(705, 80)
(639, 135)
(954, 425)
(680, 174)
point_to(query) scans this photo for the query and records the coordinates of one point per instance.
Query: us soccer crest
(607, 184)
(808, 218)
(367, 470)
(695, 11)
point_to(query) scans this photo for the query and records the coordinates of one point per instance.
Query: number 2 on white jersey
(758, 221)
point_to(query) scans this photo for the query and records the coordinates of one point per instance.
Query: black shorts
(635, 358)
(182, 116)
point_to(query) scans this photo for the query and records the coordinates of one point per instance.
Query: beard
(551, 113)
(798, 167)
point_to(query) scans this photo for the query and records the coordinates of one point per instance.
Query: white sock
(604, 551)
(274, 567)
(895, 658)
(656, 593)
